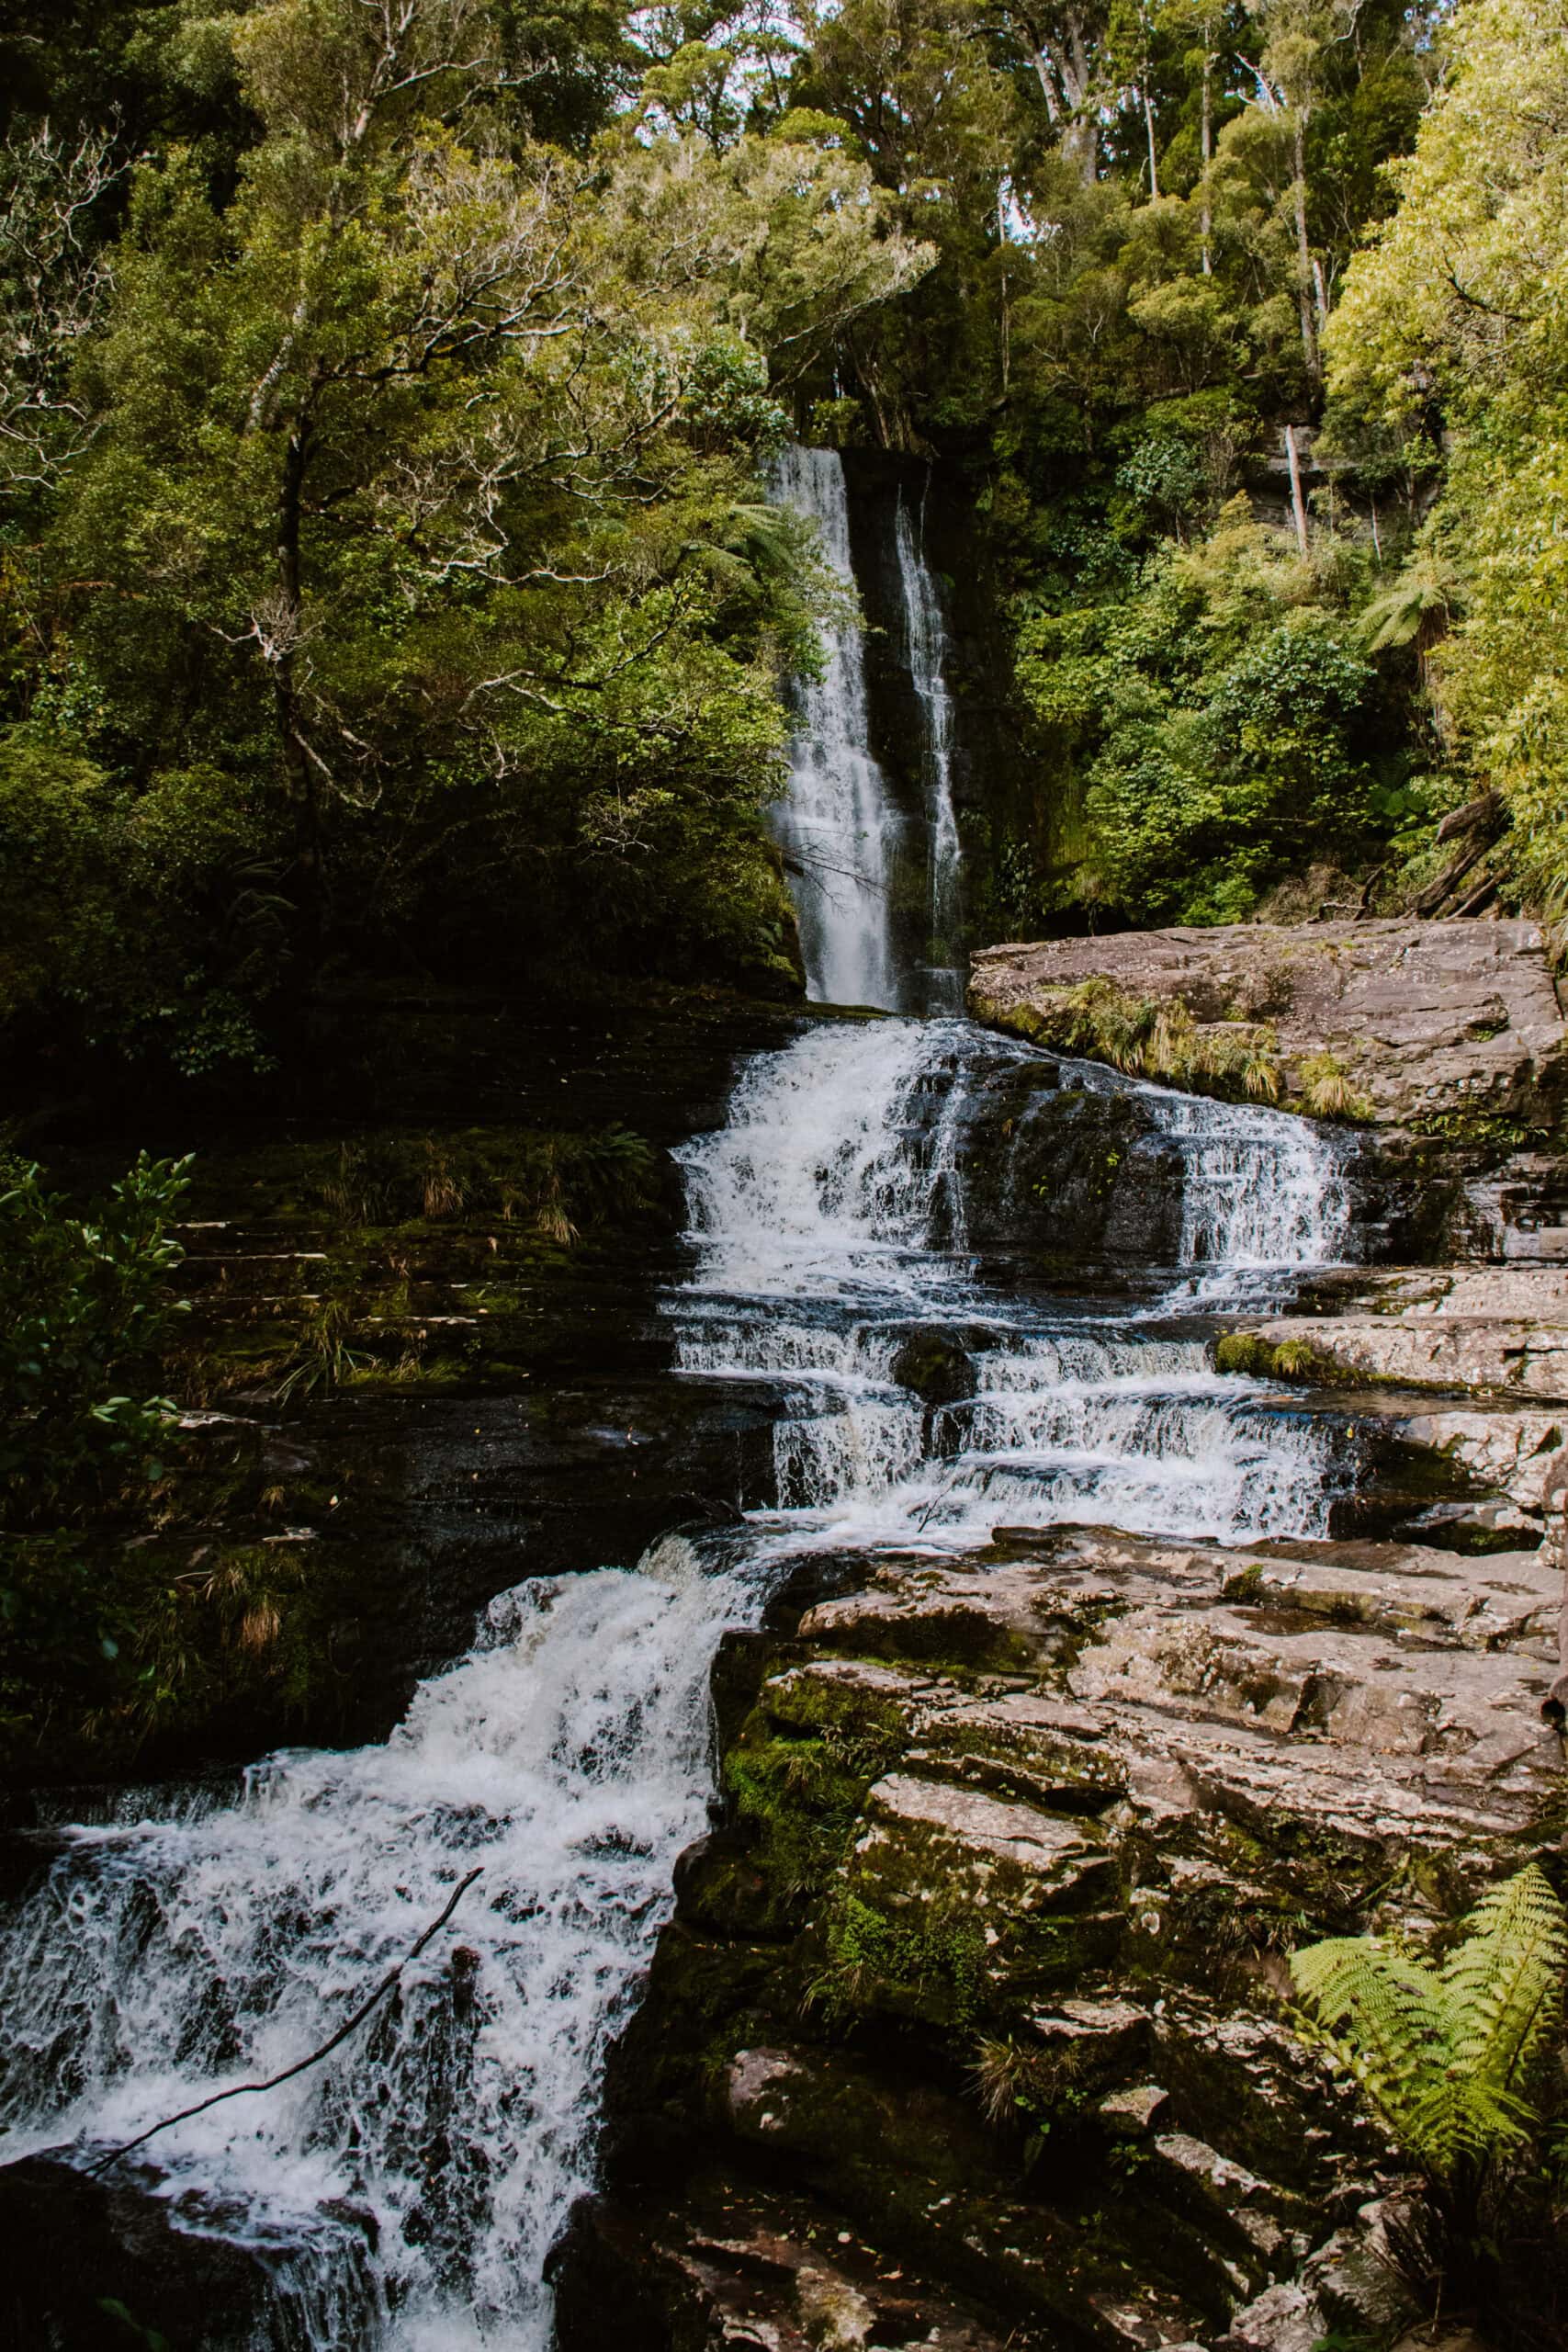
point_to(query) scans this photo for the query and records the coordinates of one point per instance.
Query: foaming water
(568, 1754)
(830, 1219)
(838, 828)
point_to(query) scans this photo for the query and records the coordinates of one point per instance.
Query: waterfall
(829, 1217)
(168, 1956)
(838, 828)
(405, 2194)
(926, 641)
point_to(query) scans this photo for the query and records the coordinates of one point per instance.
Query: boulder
(934, 1364)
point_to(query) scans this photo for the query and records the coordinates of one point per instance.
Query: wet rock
(1131, 2114)
(1449, 1023)
(95, 2244)
(1068, 1172)
(1284, 2318)
(934, 1364)
(1356, 2279)
(1042, 1825)
(737, 2271)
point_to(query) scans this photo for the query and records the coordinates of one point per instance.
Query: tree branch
(240, 2090)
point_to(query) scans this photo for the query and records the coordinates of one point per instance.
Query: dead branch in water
(238, 2090)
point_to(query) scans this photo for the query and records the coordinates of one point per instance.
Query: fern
(1446, 2054)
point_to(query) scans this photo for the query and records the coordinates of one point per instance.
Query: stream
(406, 2193)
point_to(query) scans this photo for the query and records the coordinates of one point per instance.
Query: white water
(568, 1754)
(838, 828)
(829, 1216)
(927, 643)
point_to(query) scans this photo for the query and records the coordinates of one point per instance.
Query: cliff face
(999, 789)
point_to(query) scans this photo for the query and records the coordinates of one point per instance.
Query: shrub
(84, 1308)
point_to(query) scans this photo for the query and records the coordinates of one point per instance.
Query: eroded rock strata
(1439, 1023)
(970, 2020)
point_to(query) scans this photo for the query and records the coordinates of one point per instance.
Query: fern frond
(1444, 2053)
(1502, 1986)
(1460, 2121)
(1391, 2006)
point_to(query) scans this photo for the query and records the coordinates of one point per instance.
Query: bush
(85, 1306)
(85, 1309)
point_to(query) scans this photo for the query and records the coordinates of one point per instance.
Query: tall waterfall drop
(838, 828)
(927, 642)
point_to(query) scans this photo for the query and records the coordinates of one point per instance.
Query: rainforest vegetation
(390, 386)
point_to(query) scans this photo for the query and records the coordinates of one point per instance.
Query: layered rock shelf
(1442, 1025)
(970, 2029)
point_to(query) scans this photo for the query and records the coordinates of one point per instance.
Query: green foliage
(84, 1306)
(1448, 2055)
(86, 1310)
(1458, 306)
(402, 585)
(149, 922)
(1221, 717)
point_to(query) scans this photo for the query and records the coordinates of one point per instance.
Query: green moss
(1246, 1352)
(933, 1967)
(798, 1778)
(1153, 1037)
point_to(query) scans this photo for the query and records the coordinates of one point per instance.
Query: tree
(1457, 304)
(406, 503)
(56, 280)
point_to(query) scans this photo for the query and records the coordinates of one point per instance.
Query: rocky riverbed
(970, 2027)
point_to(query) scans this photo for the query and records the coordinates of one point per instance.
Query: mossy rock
(934, 1364)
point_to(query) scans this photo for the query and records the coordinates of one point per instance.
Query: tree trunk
(299, 765)
(1206, 148)
(1298, 504)
(1154, 167)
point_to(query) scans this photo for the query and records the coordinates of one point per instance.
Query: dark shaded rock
(932, 1363)
(91, 2243)
(1069, 1174)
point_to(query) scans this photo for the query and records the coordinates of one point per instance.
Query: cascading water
(406, 2192)
(829, 1217)
(927, 643)
(169, 1956)
(838, 828)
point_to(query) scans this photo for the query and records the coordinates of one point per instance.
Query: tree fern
(1445, 2054)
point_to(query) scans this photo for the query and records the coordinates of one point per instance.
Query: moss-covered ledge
(1451, 1028)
